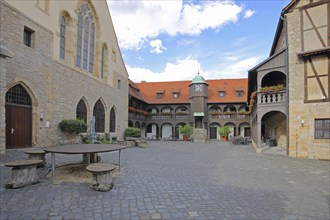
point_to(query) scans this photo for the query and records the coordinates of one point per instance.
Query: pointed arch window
(62, 38)
(112, 121)
(81, 111)
(17, 95)
(85, 38)
(103, 61)
(98, 113)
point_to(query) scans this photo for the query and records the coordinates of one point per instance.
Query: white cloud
(187, 69)
(249, 13)
(180, 70)
(157, 46)
(138, 21)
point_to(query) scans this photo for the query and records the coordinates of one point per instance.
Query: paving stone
(178, 180)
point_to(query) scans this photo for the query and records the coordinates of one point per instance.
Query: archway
(232, 127)
(177, 134)
(273, 79)
(167, 131)
(273, 130)
(152, 131)
(18, 118)
(214, 128)
(244, 129)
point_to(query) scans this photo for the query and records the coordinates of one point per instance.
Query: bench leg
(102, 182)
(38, 157)
(23, 176)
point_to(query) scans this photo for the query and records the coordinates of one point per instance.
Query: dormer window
(239, 92)
(160, 94)
(221, 94)
(175, 93)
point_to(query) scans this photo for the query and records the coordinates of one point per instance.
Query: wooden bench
(23, 173)
(37, 154)
(102, 180)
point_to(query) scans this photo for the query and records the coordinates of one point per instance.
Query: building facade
(159, 108)
(65, 63)
(291, 88)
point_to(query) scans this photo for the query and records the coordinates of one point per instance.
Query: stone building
(65, 63)
(159, 108)
(291, 89)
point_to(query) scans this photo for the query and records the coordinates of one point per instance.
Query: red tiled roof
(148, 91)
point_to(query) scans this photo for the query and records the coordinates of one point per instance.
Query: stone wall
(54, 86)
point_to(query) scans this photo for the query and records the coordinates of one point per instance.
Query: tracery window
(85, 38)
(98, 113)
(112, 121)
(18, 95)
(62, 37)
(81, 111)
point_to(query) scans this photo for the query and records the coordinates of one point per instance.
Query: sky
(172, 40)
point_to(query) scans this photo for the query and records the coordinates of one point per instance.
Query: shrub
(132, 132)
(224, 131)
(185, 130)
(72, 127)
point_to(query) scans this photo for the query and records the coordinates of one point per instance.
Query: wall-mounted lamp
(302, 123)
(41, 116)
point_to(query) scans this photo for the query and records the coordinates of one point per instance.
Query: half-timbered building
(291, 89)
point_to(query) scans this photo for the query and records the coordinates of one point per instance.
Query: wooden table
(82, 149)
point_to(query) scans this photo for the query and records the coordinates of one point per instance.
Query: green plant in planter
(224, 131)
(132, 132)
(185, 130)
(72, 127)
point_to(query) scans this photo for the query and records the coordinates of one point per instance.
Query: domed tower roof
(198, 79)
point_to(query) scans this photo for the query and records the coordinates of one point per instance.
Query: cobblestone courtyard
(179, 180)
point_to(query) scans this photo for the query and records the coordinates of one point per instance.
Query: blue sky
(172, 40)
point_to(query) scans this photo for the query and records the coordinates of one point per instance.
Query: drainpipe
(287, 80)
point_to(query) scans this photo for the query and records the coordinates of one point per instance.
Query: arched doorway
(273, 130)
(18, 118)
(214, 127)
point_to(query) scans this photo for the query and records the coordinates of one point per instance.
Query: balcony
(229, 116)
(272, 98)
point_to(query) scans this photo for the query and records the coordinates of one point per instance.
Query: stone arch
(215, 108)
(137, 124)
(229, 108)
(244, 129)
(273, 78)
(21, 116)
(177, 134)
(214, 130)
(181, 108)
(273, 128)
(130, 123)
(167, 109)
(166, 130)
(152, 130)
(232, 129)
(153, 110)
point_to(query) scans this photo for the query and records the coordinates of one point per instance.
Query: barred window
(112, 121)
(62, 37)
(85, 38)
(322, 128)
(18, 95)
(28, 37)
(98, 113)
(81, 111)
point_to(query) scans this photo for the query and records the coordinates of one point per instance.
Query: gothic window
(112, 121)
(81, 111)
(85, 38)
(17, 95)
(62, 37)
(98, 113)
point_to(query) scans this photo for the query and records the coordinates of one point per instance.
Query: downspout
(287, 80)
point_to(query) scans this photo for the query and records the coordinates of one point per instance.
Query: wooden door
(213, 132)
(247, 132)
(18, 126)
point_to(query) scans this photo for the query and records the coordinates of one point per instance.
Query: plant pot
(224, 138)
(185, 138)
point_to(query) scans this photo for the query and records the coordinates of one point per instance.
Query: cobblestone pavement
(179, 180)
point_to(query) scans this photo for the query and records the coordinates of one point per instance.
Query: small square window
(28, 37)
(322, 128)
(221, 94)
(175, 95)
(159, 95)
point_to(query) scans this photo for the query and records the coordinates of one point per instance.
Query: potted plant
(224, 132)
(186, 131)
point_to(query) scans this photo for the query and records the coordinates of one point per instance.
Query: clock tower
(198, 94)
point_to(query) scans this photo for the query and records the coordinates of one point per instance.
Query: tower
(198, 95)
